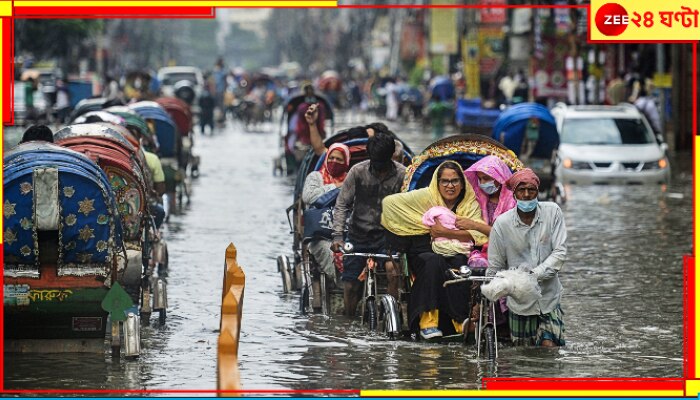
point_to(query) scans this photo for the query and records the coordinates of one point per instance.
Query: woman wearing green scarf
(432, 308)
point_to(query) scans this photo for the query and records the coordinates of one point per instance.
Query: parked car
(183, 82)
(47, 84)
(608, 145)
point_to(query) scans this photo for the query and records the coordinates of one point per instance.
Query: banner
(490, 50)
(550, 71)
(470, 50)
(493, 15)
(443, 28)
(412, 43)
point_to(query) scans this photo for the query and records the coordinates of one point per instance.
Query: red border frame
(519, 384)
(114, 12)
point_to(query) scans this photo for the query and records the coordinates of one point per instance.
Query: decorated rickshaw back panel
(465, 149)
(126, 180)
(48, 188)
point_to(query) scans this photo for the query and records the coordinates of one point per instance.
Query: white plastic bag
(525, 287)
(499, 286)
(516, 283)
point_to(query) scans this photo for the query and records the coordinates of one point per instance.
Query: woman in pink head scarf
(488, 178)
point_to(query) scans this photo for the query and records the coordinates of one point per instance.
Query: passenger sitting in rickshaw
(331, 176)
(321, 182)
(299, 140)
(532, 135)
(487, 178)
(156, 168)
(366, 184)
(432, 308)
(37, 132)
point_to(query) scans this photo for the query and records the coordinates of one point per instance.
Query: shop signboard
(443, 28)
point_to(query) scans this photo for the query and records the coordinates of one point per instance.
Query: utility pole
(397, 22)
(660, 70)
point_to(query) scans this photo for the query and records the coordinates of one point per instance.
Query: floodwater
(623, 293)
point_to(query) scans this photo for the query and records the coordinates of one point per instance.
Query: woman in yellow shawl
(432, 308)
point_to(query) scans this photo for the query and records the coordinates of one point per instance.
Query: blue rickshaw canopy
(510, 128)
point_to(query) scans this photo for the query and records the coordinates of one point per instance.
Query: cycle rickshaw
(465, 150)
(301, 273)
(63, 251)
(291, 159)
(113, 149)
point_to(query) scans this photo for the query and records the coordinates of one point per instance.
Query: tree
(59, 38)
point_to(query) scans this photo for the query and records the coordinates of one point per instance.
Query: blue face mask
(527, 205)
(488, 187)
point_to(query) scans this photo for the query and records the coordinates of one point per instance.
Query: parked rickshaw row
(83, 216)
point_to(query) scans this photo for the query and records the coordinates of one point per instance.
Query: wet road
(622, 299)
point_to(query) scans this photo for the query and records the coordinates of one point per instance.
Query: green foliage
(415, 78)
(202, 48)
(438, 65)
(46, 38)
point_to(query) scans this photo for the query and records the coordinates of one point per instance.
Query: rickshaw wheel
(317, 300)
(371, 309)
(325, 295)
(389, 313)
(304, 300)
(490, 342)
(298, 278)
(163, 267)
(282, 263)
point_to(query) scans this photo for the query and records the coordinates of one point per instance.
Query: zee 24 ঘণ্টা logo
(612, 19)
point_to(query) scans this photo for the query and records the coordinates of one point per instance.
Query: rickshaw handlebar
(468, 278)
(376, 256)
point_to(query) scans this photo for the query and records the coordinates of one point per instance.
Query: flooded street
(622, 294)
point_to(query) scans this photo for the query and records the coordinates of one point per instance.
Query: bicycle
(389, 307)
(486, 324)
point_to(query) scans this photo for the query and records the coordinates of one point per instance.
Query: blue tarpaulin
(443, 88)
(164, 126)
(511, 125)
(78, 90)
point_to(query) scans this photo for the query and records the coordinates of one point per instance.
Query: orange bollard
(230, 325)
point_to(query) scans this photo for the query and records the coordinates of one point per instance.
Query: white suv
(173, 77)
(608, 144)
